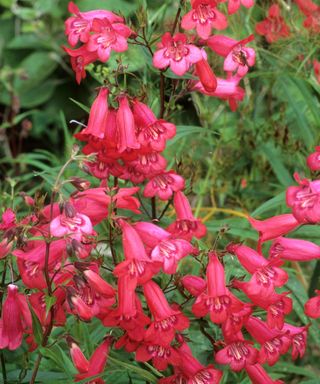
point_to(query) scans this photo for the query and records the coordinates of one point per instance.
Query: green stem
(314, 280)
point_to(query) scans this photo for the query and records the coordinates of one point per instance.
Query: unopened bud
(80, 184)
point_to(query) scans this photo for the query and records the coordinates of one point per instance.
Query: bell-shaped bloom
(129, 344)
(274, 343)
(137, 265)
(313, 160)
(128, 315)
(8, 220)
(227, 89)
(238, 57)
(305, 201)
(80, 58)
(294, 249)
(216, 300)
(312, 306)
(274, 227)
(166, 320)
(149, 164)
(277, 305)
(164, 185)
(234, 5)
(152, 133)
(94, 366)
(5, 248)
(15, 319)
(190, 370)
(186, 226)
(194, 284)
(203, 17)
(273, 27)
(78, 26)
(176, 53)
(298, 338)
(265, 275)
(98, 116)
(238, 353)
(108, 36)
(206, 75)
(102, 167)
(160, 353)
(125, 126)
(258, 375)
(237, 319)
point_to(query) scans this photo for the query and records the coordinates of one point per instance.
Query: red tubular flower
(217, 300)
(312, 12)
(176, 53)
(237, 319)
(166, 321)
(92, 367)
(15, 319)
(8, 220)
(148, 164)
(234, 5)
(273, 343)
(294, 249)
(265, 275)
(274, 26)
(298, 339)
(238, 57)
(313, 160)
(138, 266)
(305, 201)
(152, 133)
(164, 185)
(312, 306)
(98, 116)
(194, 284)
(238, 353)
(203, 17)
(126, 126)
(274, 227)
(186, 225)
(259, 376)
(206, 75)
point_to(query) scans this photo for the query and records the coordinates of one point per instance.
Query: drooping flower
(294, 249)
(186, 226)
(238, 57)
(298, 339)
(313, 160)
(176, 53)
(274, 26)
(312, 306)
(15, 319)
(234, 5)
(164, 185)
(258, 375)
(203, 17)
(206, 75)
(194, 284)
(312, 13)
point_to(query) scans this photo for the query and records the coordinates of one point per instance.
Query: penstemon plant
(109, 252)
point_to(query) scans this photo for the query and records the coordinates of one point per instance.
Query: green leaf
(283, 367)
(50, 302)
(82, 106)
(271, 204)
(186, 130)
(119, 6)
(36, 326)
(59, 357)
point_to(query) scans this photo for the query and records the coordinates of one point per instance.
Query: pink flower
(166, 320)
(258, 375)
(194, 284)
(238, 353)
(163, 185)
(80, 58)
(186, 225)
(227, 89)
(238, 57)
(5, 248)
(234, 5)
(274, 26)
(125, 126)
(298, 338)
(294, 249)
(78, 27)
(94, 366)
(274, 227)
(203, 17)
(152, 133)
(108, 36)
(312, 306)
(149, 164)
(176, 53)
(305, 201)
(206, 75)
(313, 160)
(216, 300)
(312, 12)
(8, 220)
(97, 117)
(14, 320)
(274, 343)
